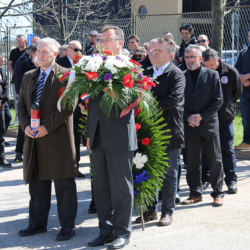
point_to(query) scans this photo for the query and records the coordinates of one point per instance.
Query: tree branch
(233, 7)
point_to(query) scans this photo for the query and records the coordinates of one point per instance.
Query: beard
(191, 66)
(92, 43)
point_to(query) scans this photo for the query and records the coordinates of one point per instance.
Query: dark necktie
(39, 86)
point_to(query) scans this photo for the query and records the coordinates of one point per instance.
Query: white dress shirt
(160, 70)
(71, 61)
(47, 71)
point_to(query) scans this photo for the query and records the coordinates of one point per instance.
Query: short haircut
(134, 37)
(54, 44)
(32, 48)
(194, 47)
(204, 35)
(118, 31)
(145, 45)
(170, 35)
(141, 49)
(209, 54)
(138, 56)
(63, 47)
(171, 46)
(188, 27)
(20, 36)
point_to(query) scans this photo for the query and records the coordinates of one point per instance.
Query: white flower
(113, 70)
(109, 64)
(98, 59)
(138, 155)
(144, 159)
(92, 66)
(136, 161)
(72, 76)
(120, 63)
(139, 165)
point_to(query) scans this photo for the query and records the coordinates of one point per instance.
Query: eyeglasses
(75, 49)
(132, 42)
(190, 57)
(108, 40)
(202, 41)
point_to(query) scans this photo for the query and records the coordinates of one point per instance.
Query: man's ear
(55, 54)
(121, 43)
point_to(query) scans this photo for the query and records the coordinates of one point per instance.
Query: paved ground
(199, 226)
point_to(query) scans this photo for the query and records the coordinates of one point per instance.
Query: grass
(238, 128)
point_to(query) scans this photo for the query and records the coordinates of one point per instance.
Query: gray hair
(171, 46)
(209, 54)
(140, 49)
(32, 48)
(63, 47)
(170, 35)
(118, 31)
(54, 45)
(194, 47)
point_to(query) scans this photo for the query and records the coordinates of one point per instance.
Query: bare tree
(218, 14)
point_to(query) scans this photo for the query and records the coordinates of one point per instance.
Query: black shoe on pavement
(92, 210)
(119, 243)
(147, 216)
(31, 230)
(6, 144)
(184, 167)
(5, 164)
(205, 185)
(66, 234)
(177, 198)
(232, 188)
(80, 175)
(101, 240)
(18, 158)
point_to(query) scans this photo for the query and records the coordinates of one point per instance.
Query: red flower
(107, 52)
(137, 126)
(77, 58)
(135, 62)
(145, 141)
(137, 112)
(63, 77)
(146, 83)
(61, 90)
(128, 81)
(91, 75)
(134, 70)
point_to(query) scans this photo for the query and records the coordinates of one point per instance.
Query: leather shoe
(80, 175)
(66, 234)
(92, 210)
(165, 220)
(191, 200)
(5, 164)
(31, 230)
(118, 243)
(205, 185)
(101, 240)
(177, 198)
(147, 216)
(232, 188)
(218, 201)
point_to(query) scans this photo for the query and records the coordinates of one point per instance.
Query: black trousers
(20, 140)
(40, 201)
(113, 189)
(2, 132)
(212, 149)
(77, 135)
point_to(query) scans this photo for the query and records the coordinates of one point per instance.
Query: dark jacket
(64, 62)
(170, 95)
(205, 99)
(54, 154)
(243, 63)
(181, 52)
(88, 50)
(231, 88)
(146, 64)
(4, 87)
(25, 66)
(16, 67)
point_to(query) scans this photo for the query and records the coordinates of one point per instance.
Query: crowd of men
(197, 92)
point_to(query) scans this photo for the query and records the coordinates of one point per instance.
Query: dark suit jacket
(205, 98)
(64, 62)
(4, 87)
(170, 95)
(54, 154)
(117, 134)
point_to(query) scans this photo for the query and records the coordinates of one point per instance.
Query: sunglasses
(202, 41)
(75, 49)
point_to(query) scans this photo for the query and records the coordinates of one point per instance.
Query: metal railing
(236, 27)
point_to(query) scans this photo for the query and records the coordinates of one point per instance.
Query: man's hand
(0, 103)
(83, 110)
(42, 131)
(88, 144)
(194, 120)
(246, 83)
(29, 132)
(244, 78)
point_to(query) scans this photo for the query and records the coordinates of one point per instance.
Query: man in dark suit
(67, 62)
(170, 95)
(4, 96)
(203, 98)
(112, 141)
(50, 154)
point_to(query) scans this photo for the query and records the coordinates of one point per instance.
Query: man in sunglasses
(203, 40)
(73, 49)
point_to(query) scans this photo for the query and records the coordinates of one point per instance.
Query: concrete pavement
(199, 226)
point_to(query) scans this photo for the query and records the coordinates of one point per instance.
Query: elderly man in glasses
(203, 98)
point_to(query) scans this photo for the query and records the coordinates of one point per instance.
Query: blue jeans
(15, 97)
(245, 114)
(7, 116)
(228, 155)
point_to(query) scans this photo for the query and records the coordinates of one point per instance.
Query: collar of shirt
(47, 71)
(71, 61)
(160, 70)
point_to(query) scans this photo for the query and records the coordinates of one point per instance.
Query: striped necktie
(39, 87)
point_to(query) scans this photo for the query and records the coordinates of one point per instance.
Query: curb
(11, 133)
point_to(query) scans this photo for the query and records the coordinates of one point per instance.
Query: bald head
(73, 48)
(203, 40)
(151, 45)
